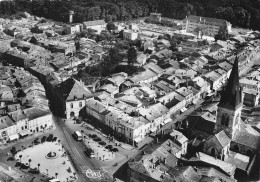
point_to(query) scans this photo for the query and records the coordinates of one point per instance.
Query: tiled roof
(94, 23)
(34, 112)
(18, 115)
(247, 139)
(6, 121)
(71, 89)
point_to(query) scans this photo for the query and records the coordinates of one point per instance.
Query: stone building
(209, 26)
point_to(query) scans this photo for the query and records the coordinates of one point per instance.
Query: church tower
(230, 105)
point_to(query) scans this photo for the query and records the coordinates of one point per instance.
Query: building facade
(209, 26)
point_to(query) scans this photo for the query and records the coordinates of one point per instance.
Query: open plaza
(49, 159)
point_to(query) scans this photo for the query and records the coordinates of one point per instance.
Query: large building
(209, 26)
(20, 123)
(228, 138)
(72, 96)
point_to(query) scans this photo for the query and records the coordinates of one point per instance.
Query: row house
(96, 109)
(21, 123)
(214, 79)
(202, 85)
(173, 101)
(130, 129)
(186, 93)
(250, 84)
(157, 114)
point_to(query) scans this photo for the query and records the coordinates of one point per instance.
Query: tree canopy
(222, 33)
(242, 13)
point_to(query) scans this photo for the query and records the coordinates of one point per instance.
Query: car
(109, 147)
(114, 150)
(54, 139)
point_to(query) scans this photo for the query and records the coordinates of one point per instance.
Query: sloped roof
(72, 88)
(94, 23)
(18, 115)
(5, 122)
(222, 138)
(184, 174)
(35, 112)
(247, 139)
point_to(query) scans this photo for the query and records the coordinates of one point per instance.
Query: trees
(199, 32)
(131, 56)
(245, 13)
(222, 34)
(111, 26)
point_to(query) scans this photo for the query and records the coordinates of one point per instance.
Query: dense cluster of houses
(24, 108)
(131, 107)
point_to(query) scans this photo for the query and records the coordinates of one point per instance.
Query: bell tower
(230, 105)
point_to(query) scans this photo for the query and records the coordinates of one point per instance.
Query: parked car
(109, 147)
(54, 139)
(114, 150)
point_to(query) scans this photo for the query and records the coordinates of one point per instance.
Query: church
(226, 135)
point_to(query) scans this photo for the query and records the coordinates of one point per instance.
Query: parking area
(108, 153)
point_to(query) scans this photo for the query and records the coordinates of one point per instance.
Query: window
(236, 148)
(237, 118)
(224, 120)
(80, 104)
(71, 105)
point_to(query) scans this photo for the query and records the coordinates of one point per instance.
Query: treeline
(242, 13)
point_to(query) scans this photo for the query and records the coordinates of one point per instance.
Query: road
(76, 150)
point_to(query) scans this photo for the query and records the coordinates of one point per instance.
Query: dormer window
(75, 97)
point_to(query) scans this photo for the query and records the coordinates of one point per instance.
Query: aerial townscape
(94, 97)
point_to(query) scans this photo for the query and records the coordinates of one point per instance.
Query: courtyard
(49, 159)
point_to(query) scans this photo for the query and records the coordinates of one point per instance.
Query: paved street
(76, 150)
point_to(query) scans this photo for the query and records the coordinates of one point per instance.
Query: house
(72, 29)
(72, 96)
(202, 85)
(250, 97)
(15, 57)
(7, 129)
(20, 123)
(215, 80)
(250, 84)
(130, 35)
(97, 25)
(186, 93)
(178, 138)
(155, 17)
(154, 163)
(130, 129)
(6, 93)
